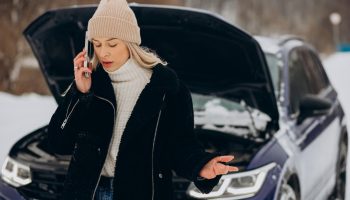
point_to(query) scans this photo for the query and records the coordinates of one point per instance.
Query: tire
(287, 192)
(340, 186)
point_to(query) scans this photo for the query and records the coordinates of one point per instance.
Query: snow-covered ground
(338, 70)
(22, 114)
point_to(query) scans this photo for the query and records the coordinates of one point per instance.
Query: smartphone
(89, 53)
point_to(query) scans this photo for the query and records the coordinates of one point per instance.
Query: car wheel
(287, 192)
(339, 189)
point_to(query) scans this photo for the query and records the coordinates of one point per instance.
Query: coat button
(160, 175)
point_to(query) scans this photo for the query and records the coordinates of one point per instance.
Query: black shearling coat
(146, 149)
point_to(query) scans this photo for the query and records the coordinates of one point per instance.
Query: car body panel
(316, 173)
(9, 193)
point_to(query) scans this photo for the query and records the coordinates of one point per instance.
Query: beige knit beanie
(114, 18)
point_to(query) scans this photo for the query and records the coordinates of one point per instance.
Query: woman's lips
(107, 63)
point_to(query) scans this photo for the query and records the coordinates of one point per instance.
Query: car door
(316, 137)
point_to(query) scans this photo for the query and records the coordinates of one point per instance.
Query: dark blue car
(266, 101)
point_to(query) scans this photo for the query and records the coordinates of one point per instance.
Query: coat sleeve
(61, 139)
(187, 155)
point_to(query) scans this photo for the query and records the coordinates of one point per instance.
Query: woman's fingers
(224, 158)
(79, 62)
(221, 168)
(217, 166)
(224, 169)
(82, 53)
(81, 70)
(83, 83)
(79, 59)
(233, 169)
(85, 69)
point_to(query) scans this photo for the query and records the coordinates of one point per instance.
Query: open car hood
(211, 55)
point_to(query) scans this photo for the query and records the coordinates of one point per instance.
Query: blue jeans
(104, 190)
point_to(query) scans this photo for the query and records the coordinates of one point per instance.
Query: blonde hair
(144, 56)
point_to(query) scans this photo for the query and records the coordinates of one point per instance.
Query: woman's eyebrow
(111, 39)
(94, 40)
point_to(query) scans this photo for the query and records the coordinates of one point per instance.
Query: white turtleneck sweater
(128, 81)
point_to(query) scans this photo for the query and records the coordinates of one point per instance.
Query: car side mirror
(313, 106)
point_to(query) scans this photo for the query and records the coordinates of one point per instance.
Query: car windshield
(272, 62)
(224, 115)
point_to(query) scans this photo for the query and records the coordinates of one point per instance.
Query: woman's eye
(97, 45)
(112, 45)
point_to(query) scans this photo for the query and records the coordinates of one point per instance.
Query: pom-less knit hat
(114, 18)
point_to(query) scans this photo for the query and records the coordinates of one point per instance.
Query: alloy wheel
(341, 171)
(340, 187)
(287, 193)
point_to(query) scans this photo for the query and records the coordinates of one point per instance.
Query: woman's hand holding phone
(83, 83)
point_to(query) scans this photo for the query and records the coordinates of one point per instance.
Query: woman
(130, 122)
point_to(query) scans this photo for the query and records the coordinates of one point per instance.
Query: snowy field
(337, 67)
(23, 114)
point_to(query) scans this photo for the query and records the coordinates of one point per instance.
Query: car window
(322, 73)
(299, 80)
(313, 70)
(306, 76)
(272, 62)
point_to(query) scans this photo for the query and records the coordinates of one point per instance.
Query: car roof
(274, 44)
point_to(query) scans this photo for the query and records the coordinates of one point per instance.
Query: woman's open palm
(216, 167)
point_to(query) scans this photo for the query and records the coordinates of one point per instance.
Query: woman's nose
(105, 52)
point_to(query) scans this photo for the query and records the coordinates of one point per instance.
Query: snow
(223, 115)
(23, 114)
(337, 67)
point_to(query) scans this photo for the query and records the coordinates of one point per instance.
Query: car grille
(45, 185)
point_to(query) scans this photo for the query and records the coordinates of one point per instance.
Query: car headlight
(15, 173)
(235, 186)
